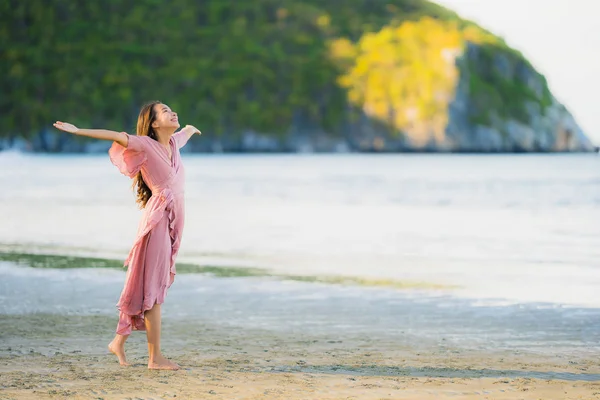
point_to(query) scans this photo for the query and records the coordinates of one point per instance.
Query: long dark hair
(144, 128)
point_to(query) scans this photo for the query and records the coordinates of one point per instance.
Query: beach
(46, 357)
(264, 338)
(301, 200)
(311, 277)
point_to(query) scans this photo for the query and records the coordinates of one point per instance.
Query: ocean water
(506, 230)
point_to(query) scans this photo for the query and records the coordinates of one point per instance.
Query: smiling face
(165, 119)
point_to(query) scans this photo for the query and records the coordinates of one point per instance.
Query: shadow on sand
(428, 372)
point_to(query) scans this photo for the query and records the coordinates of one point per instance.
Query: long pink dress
(151, 261)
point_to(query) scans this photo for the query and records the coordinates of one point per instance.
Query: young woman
(152, 159)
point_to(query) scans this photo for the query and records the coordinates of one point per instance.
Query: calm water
(507, 229)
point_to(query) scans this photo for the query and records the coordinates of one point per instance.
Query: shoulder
(137, 143)
(143, 140)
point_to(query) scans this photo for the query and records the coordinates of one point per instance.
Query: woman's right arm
(102, 134)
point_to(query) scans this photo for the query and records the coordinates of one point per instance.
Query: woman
(152, 159)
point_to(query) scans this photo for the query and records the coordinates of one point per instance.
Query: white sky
(561, 38)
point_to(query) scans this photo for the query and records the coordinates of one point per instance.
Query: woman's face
(165, 118)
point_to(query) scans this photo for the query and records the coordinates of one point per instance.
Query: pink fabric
(151, 261)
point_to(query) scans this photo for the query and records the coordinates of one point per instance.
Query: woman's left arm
(185, 134)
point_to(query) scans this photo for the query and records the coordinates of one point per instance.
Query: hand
(65, 126)
(193, 129)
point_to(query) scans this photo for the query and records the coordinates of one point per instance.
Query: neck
(163, 137)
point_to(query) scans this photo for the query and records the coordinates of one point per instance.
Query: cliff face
(430, 85)
(543, 124)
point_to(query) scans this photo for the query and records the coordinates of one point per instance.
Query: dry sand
(50, 357)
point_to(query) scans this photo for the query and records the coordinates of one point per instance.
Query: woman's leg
(153, 324)
(117, 347)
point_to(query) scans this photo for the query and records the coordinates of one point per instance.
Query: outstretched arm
(183, 135)
(102, 134)
(189, 131)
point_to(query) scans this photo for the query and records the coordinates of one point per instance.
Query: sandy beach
(266, 338)
(426, 278)
(49, 356)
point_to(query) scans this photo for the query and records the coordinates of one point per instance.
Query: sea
(505, 244)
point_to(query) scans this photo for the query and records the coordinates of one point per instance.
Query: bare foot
(160, 362)
(119, 351)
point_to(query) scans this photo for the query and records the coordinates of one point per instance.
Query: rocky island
(276, 76)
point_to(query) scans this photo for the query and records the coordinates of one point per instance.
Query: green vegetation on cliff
(494, 93)
(232, 65)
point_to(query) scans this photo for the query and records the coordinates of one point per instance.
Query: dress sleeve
(180, 138)
(129, 160)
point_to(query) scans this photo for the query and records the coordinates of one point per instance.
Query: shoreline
(45, 356)
(256, 338)
(240, 336)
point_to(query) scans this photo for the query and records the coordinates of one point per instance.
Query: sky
(561, 38)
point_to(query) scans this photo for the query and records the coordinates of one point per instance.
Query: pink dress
(151, 261)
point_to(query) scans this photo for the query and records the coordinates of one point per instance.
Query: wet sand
(49, 356)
